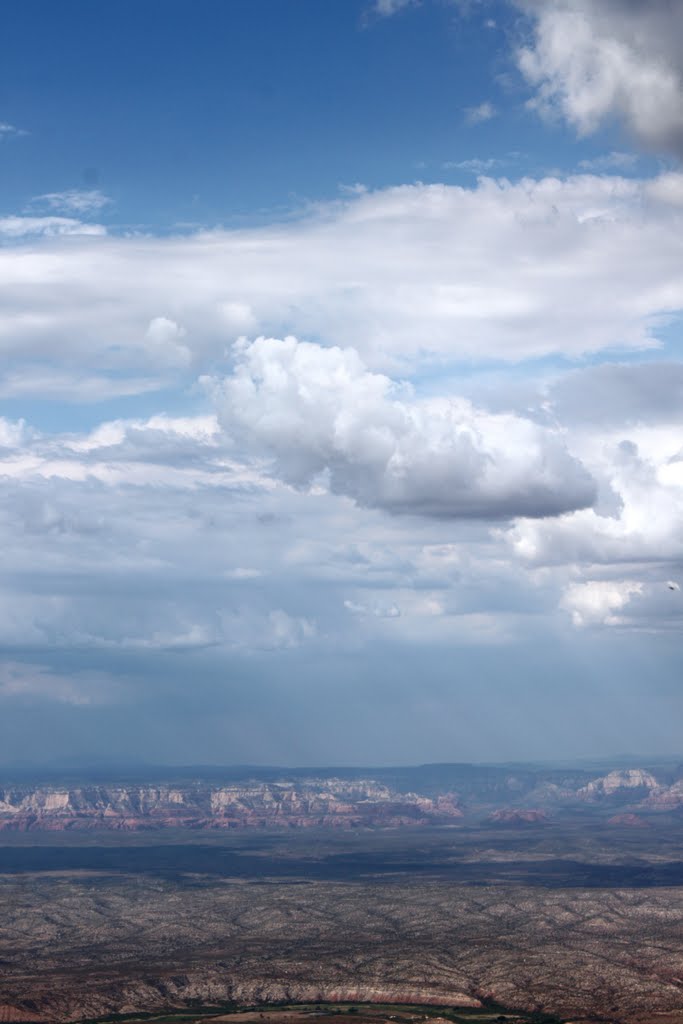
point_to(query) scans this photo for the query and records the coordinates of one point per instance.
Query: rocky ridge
(328, 801)
(617, 781)
(518, 816)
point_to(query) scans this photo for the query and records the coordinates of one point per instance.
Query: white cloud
(644, 524)
(164, 337)
(243, 629)
(8, 131)
(482, 112)
(379, 610)
(386, 8)
(667, 188)
(408, 277)
(599, 601)
(287, 631)
(595, 59)
(314, 410)
(476, 165)
(499, 271)
(135, 536)
(185, 453)
(51, 382)
(78, 201)
(614, 161)
(642, 605)
(624, 423)
(199, 430)
(616, 396)
(12, 434)
(243, 573)
(21, 227)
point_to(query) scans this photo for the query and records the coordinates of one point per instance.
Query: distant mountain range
(347, 799)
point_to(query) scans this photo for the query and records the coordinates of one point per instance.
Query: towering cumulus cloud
(315, 409)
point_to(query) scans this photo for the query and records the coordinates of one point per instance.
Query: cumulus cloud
(165, 336)
(624, 423)
(12, 434)
(599, 601)
(595, 59)
(408, 276)
(134, 536)
(641, 605)
(287, 631)
(318, 410)
(644, 528)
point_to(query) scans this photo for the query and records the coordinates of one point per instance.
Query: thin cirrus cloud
(481, 112)
(54, 384)
(9, 131)
(386, 8)
(475, 165)
(73, 201)
(614, 161)
(16, 227)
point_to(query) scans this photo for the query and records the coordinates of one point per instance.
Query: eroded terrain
(577, 921)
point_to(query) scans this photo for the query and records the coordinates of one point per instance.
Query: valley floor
(543, 921)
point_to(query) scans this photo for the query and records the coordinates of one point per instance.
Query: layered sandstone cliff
(327, 803)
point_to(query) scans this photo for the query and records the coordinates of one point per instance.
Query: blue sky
(240, 111)
(341, 390)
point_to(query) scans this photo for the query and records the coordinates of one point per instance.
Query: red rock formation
(666, 798)
(327, 803)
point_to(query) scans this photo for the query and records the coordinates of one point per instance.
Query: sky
(341, 392)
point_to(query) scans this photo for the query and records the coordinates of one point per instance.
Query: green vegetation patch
(400, 1013)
